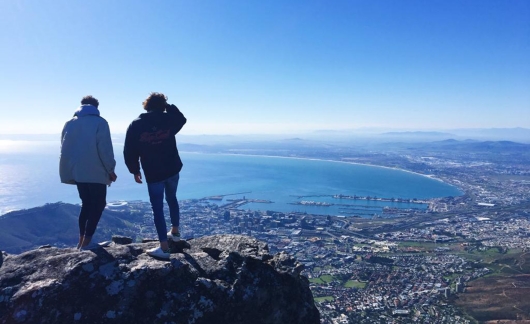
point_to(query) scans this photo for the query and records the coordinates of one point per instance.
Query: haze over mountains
(480, 134)
(517, 134)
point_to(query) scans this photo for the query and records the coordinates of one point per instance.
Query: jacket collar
(85, 110)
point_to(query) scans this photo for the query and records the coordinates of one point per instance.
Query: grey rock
(216, 279)
(118, 239)
(178, 246)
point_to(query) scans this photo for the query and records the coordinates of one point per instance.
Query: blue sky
(268, 66)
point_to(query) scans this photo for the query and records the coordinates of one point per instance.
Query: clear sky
(275, 66)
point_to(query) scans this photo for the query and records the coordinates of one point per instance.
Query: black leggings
(93, 197)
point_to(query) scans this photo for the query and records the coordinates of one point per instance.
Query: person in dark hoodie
(150, 143)
(87, 161)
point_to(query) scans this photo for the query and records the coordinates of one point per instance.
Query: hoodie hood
(155, 117)
(85, 110)
(151, 114)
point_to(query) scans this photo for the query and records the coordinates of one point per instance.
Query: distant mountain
(450, 141)
(500, 149)
(57, 224)
(294, 139)
(418, 133)
(480, 145)
(517, 134)
(308, 147)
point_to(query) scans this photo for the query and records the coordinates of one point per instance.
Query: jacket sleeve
(63, 132)
(131, 153)
(177, 118)
(104, 144)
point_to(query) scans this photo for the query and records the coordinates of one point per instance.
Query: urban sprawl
(399, 266)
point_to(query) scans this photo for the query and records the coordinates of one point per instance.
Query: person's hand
(171, 106)
(113, 177)
(138, 178)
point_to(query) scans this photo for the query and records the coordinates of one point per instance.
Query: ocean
(29, 178)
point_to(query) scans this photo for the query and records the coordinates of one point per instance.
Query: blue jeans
(156, 196)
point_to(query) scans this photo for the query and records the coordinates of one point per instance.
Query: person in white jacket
(87, 161)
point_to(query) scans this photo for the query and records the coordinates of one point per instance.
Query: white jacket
(86, 148)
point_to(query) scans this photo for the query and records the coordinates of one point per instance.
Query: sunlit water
(29, 178)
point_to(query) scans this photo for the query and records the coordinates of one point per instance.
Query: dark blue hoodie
(150, 140)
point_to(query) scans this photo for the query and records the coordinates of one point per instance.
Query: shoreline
(433, 177)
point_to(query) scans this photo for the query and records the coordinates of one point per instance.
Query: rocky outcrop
(216, 279)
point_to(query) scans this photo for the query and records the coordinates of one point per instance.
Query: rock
(175, 247)
(118, 239)
(216, 279)
(178, 246)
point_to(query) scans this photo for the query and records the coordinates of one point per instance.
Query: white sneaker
(158, 253)
(173, 237)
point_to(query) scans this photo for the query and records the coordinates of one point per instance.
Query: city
(410, 266)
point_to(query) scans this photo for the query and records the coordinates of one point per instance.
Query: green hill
(57, 224)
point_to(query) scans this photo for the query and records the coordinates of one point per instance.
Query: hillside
(57, 224)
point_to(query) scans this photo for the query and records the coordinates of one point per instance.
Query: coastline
(433, 177)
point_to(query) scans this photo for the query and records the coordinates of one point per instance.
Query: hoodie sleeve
(177, 118)
(104, 144)
(131, 153)
(63, 132)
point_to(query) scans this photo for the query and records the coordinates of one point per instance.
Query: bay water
(29, 177)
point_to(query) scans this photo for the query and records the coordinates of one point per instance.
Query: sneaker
(105, 243)
(158, 253)
(173, 237)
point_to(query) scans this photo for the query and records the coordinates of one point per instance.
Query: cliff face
(215, 279)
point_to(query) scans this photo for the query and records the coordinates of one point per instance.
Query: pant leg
(156, 196)
(171, 185)
(98, 196)
(84, 194)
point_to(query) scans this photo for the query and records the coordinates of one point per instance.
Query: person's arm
(178, 119)
(105, 150)
(131, 154)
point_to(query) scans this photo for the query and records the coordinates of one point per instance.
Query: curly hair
(89, 100)
(155, 102)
